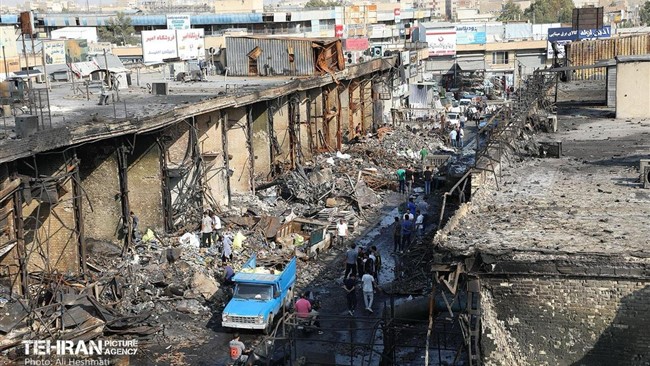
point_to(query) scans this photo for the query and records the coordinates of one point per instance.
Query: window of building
(499, 58)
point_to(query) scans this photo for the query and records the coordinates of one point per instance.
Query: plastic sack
(148, 236)
(238, 241)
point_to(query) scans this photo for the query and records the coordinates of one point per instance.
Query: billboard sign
(338, 31)
(564, 35)
(99, 48)
(76, 50)
(470, 34)
(158, 45)
(54, 52)
(356, 44)
(442, 41)
(8, 41)
(190, 43)
(178, 21)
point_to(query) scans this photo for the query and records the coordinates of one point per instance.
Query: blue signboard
(470, 34)
(568, 34)
(564, 35)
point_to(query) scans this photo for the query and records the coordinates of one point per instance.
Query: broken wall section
(566, 321)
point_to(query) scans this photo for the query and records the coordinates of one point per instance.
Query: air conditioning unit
(646, 177)
(159, 88)
(376, 51)
(349, 58)
(643, 164)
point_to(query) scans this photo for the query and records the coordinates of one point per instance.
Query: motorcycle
(309, 324)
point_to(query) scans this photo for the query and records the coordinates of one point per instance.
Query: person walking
(135, 222)
(216, 227)
(423, 155)
(410, 178)
(411, 207)
(428, 175)
(377, 259)
(350, 287)
(206, 230)
(341, 231)
(401, 179)
(452, 138)
(369, 287)
(407, 229)
(226, 252)
(419, 223)
(351, 261)
(461, 136)
(397, 235)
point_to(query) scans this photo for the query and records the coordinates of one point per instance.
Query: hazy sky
(82, 2)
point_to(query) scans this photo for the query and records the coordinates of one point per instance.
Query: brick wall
(100, 180)
(562, 321)
(237, 134)
(145, 186)
(211, 145)
(261, 142)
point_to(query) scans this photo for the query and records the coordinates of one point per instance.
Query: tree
(644, 13)
(550, 11)
(320, 4)
(118, 30)
(510, 11)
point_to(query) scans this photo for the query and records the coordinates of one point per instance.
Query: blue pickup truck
(260, 294)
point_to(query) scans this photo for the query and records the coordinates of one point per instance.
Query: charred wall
(567, 321)
(145, 192)
(98, 168)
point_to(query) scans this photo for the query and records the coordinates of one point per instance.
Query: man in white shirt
(369, 286)
(452, 138)
(341, 231)
(206, 230)
(226, 253)
(216, 226)
(419, 223)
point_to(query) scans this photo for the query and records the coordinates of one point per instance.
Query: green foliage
(118, 30)
(550, 11)
(321, 4)
(510, 11)
(644, 13)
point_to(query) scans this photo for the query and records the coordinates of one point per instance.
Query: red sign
(338, 30)
(356, 44)
(397, 12)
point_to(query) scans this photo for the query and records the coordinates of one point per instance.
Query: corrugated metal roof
(274, 58)
(8, 19)
(633, 58)
(143, 20)
(238, 18)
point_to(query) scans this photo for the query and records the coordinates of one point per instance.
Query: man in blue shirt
(411, 207)
(228, 274)
(407, 229)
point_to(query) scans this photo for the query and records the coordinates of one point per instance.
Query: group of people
(406, 177)
(211, 234)
(366, 264)
(406, 228)
(456, 137)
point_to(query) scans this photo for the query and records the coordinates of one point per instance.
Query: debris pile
(150, 292)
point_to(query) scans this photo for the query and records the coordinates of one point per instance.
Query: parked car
(453, 119)
(464, 104)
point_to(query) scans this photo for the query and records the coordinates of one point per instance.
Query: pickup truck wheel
(269, 325)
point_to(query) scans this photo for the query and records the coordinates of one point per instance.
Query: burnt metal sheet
(12, 314)
(277, 56)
